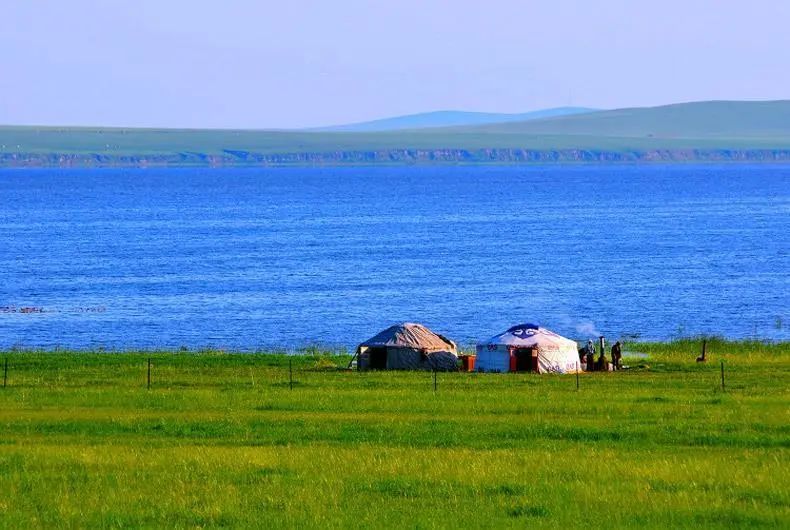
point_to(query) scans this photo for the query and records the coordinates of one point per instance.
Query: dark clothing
(616, 355)
(589, 354)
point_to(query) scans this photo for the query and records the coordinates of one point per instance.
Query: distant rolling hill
(450, 118)
(717, 131)
(708, 119)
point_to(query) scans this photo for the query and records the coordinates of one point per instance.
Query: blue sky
(262, 64)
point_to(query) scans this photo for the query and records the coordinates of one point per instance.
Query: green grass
(221, 440)
(153, 142)
(704, 126)
(703, 119)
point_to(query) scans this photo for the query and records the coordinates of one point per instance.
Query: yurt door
(378, 358)
(523, 359)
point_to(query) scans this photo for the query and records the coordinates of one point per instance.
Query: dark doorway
(523, 359)
(378, 358)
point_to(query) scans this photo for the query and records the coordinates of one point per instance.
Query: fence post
(149, 373)
(722, 376)
(577, 376)
(290, 374)
(5, 372)
(434, 380)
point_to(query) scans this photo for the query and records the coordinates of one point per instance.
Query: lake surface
(257, 258)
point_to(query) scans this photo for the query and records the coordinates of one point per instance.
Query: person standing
(590, 354)
(617, 354)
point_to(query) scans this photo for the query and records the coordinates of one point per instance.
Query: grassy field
(224, 440)
(148, 142)
(706, 126)
(704, 119)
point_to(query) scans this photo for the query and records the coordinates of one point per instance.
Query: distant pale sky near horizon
(301, 63)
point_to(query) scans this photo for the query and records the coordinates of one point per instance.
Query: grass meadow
(226, 440)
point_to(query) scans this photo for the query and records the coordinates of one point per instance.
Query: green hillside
(737, 131)
(709, 119)
(111, 141)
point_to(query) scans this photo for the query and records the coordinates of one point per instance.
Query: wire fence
(172, 372)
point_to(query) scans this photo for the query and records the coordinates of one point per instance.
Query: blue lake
(257, 258)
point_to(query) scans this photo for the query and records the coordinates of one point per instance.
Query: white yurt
(528, 348)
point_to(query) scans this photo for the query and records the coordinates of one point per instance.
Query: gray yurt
(407, 346)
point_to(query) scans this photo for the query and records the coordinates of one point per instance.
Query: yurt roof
(410, 335)
(530, 335)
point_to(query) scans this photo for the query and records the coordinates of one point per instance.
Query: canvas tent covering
(528, 348)
(407, 346)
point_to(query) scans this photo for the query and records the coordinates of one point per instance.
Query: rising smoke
(587, 329)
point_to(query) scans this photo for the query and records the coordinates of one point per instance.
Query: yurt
(407, 346)
(528, 348)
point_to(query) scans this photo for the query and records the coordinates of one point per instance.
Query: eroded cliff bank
(393, 156)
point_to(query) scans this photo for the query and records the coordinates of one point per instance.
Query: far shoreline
(460, 164)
